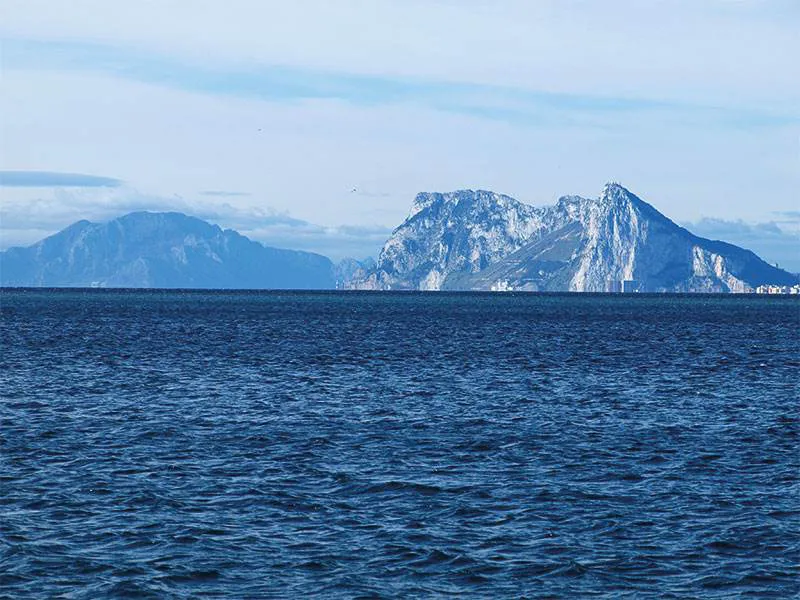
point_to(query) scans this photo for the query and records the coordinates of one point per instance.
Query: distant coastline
(459, 241)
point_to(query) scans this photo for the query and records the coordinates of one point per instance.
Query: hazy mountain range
(163, 250)
(463, 240)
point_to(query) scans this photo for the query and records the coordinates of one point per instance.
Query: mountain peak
(617, 197)
(615, 191)
(150, 216)
(468, 197)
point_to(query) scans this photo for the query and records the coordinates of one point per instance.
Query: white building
(501, 286)
(778, 289)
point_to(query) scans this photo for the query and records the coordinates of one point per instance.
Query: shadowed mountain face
(471, 240)
(166, 250)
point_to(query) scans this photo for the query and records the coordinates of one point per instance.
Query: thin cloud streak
(612, 48)
(29, 221)
(533, 99)
(292, 83)
(224, 194)
(55, 179)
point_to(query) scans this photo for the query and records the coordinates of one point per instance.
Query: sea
(195, 444)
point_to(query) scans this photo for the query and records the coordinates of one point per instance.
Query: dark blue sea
(398, 445)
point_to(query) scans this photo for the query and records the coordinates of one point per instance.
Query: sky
(312, 124)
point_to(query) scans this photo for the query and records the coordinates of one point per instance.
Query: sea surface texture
(342, 445)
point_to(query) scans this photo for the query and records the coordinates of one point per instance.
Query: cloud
(770, 241)
(536, 100)
(369, 194)
(24, 222)
(788, 216)
(621, 48)
(63, 206)
(55, 179)
(281, 83)
(337, 242)
(279, 229)
(224, 194)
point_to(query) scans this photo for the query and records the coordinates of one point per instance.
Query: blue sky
(267, 115)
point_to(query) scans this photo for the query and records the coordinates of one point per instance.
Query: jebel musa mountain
(480, 240)
(160, 250)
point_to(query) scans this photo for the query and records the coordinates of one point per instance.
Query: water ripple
(281, 445)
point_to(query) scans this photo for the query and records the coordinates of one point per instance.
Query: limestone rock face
(479, 240)
(458, 232)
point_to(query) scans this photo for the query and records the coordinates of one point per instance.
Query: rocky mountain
(168, 250)
(351, 269)
(458, 232)
(478, 240)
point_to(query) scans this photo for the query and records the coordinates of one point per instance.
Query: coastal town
(629, 286)
(778, 289)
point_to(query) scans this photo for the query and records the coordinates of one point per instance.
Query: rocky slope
(458, 232)
(351, 269)
(168, 250)
(470, 240)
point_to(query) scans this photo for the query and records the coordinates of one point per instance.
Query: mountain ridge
(160, 249)
(460, 240)
(577, 244)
